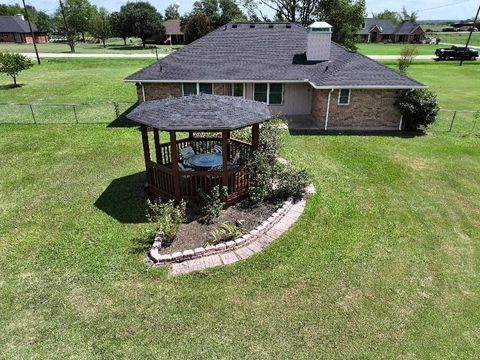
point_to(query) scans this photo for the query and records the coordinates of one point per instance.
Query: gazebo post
(158, 152)
(255, 136)
(225, 137)
(176, 174)
(146, 147)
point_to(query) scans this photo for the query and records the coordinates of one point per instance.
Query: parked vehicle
(429, 40)
(456, 52)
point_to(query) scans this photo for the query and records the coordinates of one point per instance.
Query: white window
(197, 88)
(238, 90)
(344, 97)
(272, 94)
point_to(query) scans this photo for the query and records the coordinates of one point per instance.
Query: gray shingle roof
(386, 25)
(15, 24)
(405, 28)
(200, 113)
(240, 52)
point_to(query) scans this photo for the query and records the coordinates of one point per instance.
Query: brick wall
(368, 110)
(159, 91)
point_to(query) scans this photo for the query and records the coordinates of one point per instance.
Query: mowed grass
(458, 38)
(113, 46)
(382, 264)
(74, 81)
(394, 49)
(456, 86)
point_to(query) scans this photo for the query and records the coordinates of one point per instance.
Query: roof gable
(15, 24)
(266, 52)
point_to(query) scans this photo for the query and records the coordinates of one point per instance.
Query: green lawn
(114, 46)
(383, 263)
(458, 38)
(393, 49)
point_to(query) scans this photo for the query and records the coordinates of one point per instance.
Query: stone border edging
(234, 250)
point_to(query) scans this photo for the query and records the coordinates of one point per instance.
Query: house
(300, 73)
(378, 30)
(15, 29)
(173, 32)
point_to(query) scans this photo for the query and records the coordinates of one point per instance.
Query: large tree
(220, 12)
(100, 26)
(406, 16)
(171, 12)
(77, 15)
(196, 26)
(119, 26)
(387, 15)
(346, 16)
(142, 20)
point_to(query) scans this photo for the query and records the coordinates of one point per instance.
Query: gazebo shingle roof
(200, 113)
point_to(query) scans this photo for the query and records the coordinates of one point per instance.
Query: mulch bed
(196, 233)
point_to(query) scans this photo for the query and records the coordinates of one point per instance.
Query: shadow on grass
(10, 86)
(125, 199)
(121, 121)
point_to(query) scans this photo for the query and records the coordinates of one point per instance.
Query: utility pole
(470, 36)
(31, 31)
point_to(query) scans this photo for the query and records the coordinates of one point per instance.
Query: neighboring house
(299, 72)
(15, 29)
(377, 30)
(173, 32)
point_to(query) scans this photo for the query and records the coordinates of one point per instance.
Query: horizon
(428, 10)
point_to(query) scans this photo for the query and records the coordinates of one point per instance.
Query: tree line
(76, 18)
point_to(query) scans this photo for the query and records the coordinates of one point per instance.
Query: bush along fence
(46, 113)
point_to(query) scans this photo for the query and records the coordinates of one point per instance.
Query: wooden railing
(161, 177)
(202, 145)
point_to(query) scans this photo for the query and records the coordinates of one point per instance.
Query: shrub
(291, 182)
(270, 139)
(12, 64)
(225, 232)
(262, 171)
(407, 55)
(211, 205)
(167, 218)
(419, 107)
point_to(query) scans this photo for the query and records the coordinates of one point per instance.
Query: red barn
(15, 29)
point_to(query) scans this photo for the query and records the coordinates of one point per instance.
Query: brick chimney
(319, 40)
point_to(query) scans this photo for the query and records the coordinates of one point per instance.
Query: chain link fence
(462, 122)
(455, 121)
(45, 113)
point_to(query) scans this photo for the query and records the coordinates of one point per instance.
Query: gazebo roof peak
(200, 113)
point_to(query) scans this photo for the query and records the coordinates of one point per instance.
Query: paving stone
(240, 241)
(196, 264)
(177, 255)
(265, 223)
(165, 257)
(199, 251)
(265, 240)
(273, 233)
(154, 254)
(228, 257)
(188, 253)
(255, 246)
(230, 243)
(212, 260)
(179, 268)
(221, 246)
(243, 252)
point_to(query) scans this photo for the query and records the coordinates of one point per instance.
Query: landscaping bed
(196, 232)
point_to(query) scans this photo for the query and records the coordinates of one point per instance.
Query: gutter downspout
(328, 108)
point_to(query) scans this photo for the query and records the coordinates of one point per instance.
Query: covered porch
(205, 155)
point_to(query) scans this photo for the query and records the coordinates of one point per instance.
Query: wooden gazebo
(171, 176)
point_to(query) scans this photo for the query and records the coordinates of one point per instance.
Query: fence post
(33, 115)
(453, 120)
(117, 111)
(75, 113)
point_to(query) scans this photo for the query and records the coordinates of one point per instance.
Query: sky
(427, 9)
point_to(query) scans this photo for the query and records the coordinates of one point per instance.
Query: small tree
(407, 54)
(419, 107)
(12, 64)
